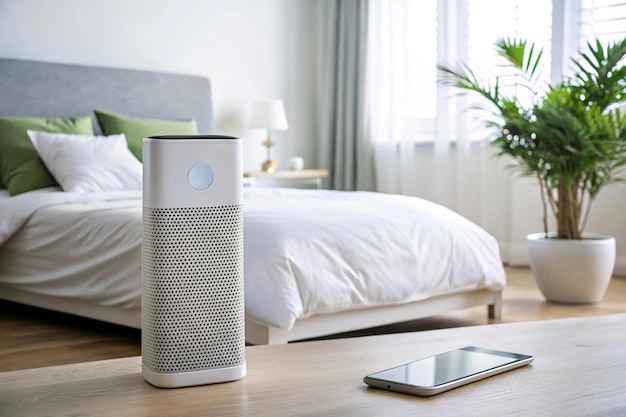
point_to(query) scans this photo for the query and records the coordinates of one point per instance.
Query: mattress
(306, 252)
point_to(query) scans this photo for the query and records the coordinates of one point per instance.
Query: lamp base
(269, 166)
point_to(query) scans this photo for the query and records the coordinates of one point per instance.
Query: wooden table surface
(579, 370)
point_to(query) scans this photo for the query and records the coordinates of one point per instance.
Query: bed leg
(258, 334)
(495, 309)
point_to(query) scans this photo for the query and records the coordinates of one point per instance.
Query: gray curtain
(344, 147)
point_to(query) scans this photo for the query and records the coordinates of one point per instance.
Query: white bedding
(319, 251)
(306, 252)
(73, 246)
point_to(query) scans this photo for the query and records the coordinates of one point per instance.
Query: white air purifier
(193, 325)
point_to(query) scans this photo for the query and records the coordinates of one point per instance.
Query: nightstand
(305, 178)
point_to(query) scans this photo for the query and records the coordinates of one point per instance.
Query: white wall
(252, 50)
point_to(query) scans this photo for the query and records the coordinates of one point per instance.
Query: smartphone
(442, 372)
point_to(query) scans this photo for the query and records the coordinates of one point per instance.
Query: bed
(336, 261)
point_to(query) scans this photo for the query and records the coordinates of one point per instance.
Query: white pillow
(88, 164)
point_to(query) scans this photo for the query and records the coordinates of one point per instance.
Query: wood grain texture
(578, 370)
(32, 337)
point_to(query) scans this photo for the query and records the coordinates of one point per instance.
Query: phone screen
(435, 374)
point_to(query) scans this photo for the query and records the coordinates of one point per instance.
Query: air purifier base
(188, 379)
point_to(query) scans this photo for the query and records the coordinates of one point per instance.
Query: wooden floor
(32, 337)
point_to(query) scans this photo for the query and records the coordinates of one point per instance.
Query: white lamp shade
(269, 115)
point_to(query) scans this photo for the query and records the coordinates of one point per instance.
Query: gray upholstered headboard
(43, 89)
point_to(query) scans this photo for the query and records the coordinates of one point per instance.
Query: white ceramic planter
(572, 271)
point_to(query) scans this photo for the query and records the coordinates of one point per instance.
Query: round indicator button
(200, 176)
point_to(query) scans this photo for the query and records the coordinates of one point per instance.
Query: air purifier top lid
(168, 137)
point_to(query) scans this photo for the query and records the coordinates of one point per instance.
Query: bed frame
(351, 320)
(44, 89)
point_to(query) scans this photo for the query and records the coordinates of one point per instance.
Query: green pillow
(136, 129)
(21, 169)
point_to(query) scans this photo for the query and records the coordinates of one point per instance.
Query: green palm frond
(599, 75)
(572, 138)
(520, 54)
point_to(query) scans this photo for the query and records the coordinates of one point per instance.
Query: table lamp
(269, 115)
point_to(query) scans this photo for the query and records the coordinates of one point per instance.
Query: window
(604, 19)
(530, 20)
(403, 39)
(408, 38)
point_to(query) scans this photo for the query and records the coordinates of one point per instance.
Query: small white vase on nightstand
(296, 163)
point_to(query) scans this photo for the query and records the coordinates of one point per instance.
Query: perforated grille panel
(193, 299)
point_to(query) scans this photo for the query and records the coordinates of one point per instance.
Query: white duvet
(306, 252)
(73, 246)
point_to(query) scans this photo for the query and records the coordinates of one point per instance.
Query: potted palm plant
(571, 137)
